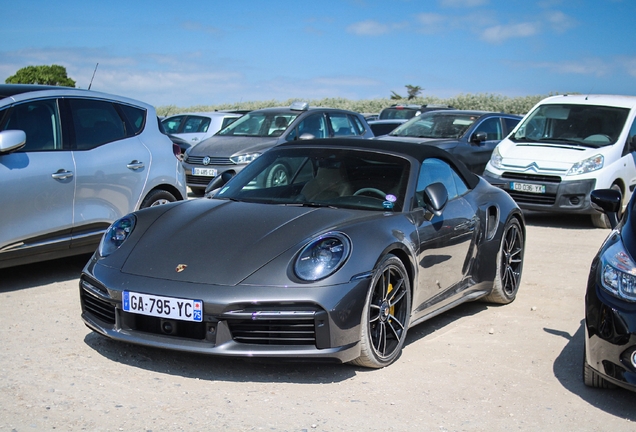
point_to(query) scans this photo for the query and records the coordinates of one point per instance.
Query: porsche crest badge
(181, 267)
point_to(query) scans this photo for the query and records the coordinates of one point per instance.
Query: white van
(564, 148)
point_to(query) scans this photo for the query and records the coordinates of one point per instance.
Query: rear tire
(157, 197)
(386, 315)
(509, 265)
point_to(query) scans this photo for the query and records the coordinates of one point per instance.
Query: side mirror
(435, 199)
(479, 138)
(219, 181)
(11, 140)
(607, 201)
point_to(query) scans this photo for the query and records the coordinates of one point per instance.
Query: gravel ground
(475, 368)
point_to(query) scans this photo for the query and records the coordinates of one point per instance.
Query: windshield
(322, 177)
(584, 125)
(436, 124)
(260, 124)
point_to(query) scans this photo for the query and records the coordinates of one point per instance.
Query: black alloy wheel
(386, 316)
(509, 264)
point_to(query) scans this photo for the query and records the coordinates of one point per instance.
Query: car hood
(224, 242)
(549, 157)
(444, 144)
(219, 146)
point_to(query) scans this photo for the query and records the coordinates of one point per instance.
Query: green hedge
(484, 101)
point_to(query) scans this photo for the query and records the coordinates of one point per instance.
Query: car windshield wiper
(569, 141)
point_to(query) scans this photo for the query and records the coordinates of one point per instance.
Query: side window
(136, 118)
(357, 124)
(314, 125)
(630, 146)
(196, 124)
(95, 123)
(492, 127)
(341, 125)
(40, 120)
(171, 125)
(436, 170)
(510, 124)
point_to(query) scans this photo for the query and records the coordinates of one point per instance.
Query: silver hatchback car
(72, 162)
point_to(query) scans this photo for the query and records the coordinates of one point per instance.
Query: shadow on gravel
(559, 220)
(215, 368)
(44, 273)
(568, 368)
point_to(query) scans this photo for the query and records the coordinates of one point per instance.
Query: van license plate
(527, 187)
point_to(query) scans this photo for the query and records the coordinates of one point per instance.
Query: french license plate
(527, 187)
(163, 307)
(206, 172)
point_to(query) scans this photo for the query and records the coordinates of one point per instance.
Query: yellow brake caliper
(391, 308)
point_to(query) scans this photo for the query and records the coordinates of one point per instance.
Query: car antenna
(91, 83)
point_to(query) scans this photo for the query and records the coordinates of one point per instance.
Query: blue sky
(188, 53)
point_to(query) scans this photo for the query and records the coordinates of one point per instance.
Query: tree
(413, 91)
(49, 75)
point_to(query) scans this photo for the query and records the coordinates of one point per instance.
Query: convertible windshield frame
(324, 177)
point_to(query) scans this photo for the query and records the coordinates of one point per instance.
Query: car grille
(282, 327)
(532, 198)
(531, 177)
(198, 160)
(93, 304)
(198, 180)
(150, 324)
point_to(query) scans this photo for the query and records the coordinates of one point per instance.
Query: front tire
(509, 265)
(386, 315)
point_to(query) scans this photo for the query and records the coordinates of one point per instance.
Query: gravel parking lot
(478, 367)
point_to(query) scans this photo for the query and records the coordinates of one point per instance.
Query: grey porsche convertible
(363, 240)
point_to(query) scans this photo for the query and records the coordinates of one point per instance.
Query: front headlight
(618, 272)
(243, 159)
(117, 233)
(587, 165)
(322, 257)
(495, 159)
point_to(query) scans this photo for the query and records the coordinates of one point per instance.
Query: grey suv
(232, 148)
(72, 162)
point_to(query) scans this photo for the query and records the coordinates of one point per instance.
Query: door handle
(62, 174)
(135, 165)
(195, 139)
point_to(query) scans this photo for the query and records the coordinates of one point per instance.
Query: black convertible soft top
(418, 151)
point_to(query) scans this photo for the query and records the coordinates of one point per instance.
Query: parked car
(470, 135)
(195, 127)
(73, 161)
(247, 138)
(384, 127)
(407, 112)
(610, 300)
(300, 274)
(564, 148)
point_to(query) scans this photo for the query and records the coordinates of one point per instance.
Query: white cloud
(501, 33)
(368, 28)
(591, 66)
(462, 3)
(559, 21)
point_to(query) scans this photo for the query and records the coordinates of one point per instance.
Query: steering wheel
(375, 191)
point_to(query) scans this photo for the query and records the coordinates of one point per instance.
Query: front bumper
(610, 336)
(248, 321)
(559, 196)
